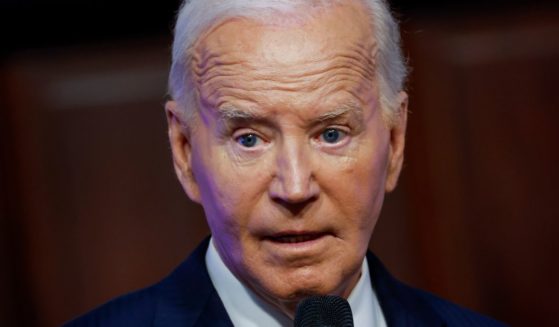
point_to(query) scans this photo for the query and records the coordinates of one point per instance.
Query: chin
(296, 289)
(287, 298)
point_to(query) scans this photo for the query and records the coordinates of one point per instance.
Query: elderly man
(287, 124)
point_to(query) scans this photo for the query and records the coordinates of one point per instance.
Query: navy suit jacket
(187, 297)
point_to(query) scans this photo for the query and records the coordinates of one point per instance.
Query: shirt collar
(246, 309)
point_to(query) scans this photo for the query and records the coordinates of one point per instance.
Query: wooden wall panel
(100, 210)
(483, 150)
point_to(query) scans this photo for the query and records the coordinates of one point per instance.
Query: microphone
(323, 311)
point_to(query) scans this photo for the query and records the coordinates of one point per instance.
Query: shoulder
(451, 313)
(134, 309)
(178, 299)
(402, 303)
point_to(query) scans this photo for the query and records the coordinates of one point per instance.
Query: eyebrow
(350, 108)
(230, 114)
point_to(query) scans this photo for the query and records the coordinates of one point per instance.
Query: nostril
(295, 208)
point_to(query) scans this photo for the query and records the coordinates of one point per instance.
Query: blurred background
(90, 208)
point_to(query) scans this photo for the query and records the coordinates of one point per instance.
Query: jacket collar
(187, 297)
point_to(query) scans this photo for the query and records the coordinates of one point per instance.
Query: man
(287, 124)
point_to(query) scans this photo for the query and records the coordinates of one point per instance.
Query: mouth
(299, 248)
(296, 237)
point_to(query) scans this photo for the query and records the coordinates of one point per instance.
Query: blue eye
(332, 135)
(247, 140)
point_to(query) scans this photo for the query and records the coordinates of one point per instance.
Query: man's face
(289, 153)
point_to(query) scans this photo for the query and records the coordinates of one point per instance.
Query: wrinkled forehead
(316, 31)
(338, 40)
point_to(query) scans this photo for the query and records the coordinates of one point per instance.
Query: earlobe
(179, 138)
(397, 143)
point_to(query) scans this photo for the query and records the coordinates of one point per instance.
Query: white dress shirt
(246, 309)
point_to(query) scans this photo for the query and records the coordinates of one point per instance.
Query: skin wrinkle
(238, 94)
(231, 88)
(201, 57)
(211, 67)
(198, 45)
(220, 74)
(218, 95)
(269, 82)
(360, 62)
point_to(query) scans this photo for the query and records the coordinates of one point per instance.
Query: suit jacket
(187, 297)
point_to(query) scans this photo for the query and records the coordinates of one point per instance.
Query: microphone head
(322, 311)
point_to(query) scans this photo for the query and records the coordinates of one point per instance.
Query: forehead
(333, 49)
(283, 39)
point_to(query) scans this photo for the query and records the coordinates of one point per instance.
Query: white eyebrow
(232, 113)
(351, 108)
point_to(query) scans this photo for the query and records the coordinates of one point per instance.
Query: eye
(248, 140)
(332, 135)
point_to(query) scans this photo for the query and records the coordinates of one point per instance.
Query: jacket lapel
(401, 305)
(187, 297)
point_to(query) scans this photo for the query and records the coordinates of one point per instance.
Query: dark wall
(482, 163)
(38, 23)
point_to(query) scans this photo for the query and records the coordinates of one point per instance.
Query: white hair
(198, 16)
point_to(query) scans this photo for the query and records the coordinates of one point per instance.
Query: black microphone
(323, 311)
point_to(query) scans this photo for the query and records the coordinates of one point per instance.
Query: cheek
(371, 187)
(212, 182)
(229, 191)
(358, 188)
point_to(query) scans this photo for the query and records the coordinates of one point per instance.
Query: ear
(397, 142)
(179, 137)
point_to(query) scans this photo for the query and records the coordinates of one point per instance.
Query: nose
(294, 183)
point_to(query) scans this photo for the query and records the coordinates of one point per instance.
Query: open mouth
(287, 238)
